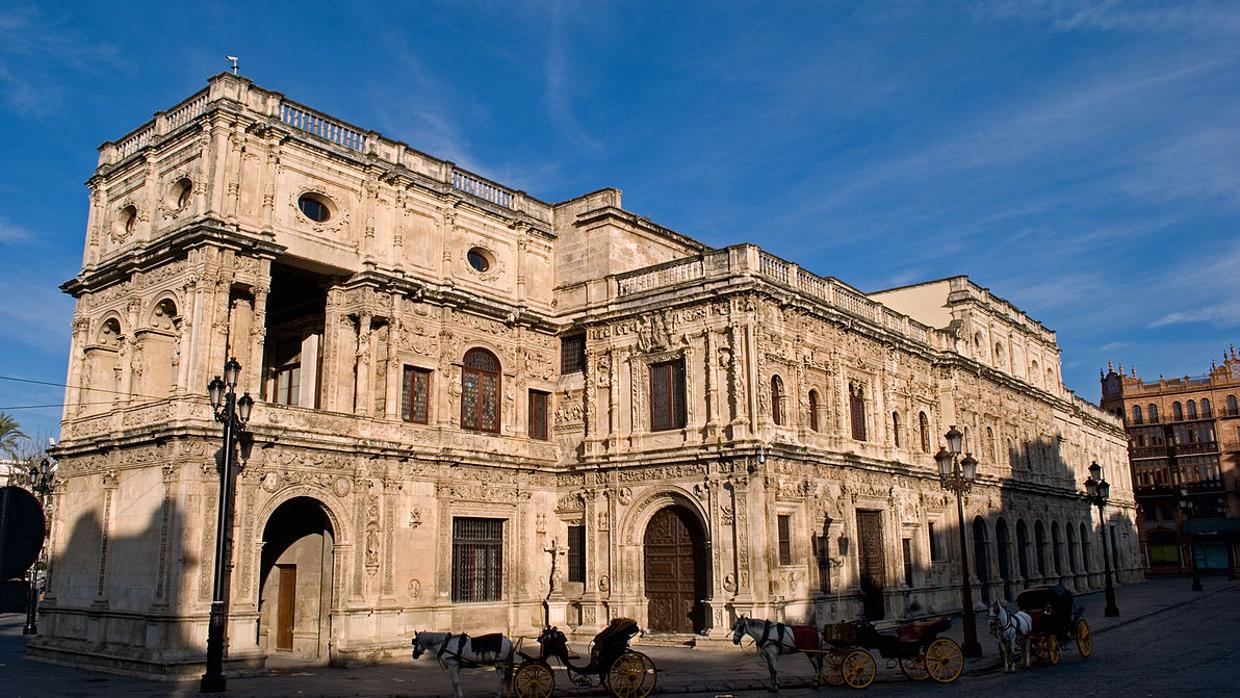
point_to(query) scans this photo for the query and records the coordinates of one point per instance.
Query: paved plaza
(1150, 643)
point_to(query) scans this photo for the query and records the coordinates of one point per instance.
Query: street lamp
(1097, 491)
(42, 480)
(1189, 510)
(956, 475)
(233, 413)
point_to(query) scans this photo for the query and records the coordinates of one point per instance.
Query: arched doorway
(1003, 546)
(295, 583)
(677, 571)
(981, 560)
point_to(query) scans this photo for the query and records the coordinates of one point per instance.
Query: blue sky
(1081, 159)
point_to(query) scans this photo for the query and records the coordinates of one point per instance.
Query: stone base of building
(151, 669)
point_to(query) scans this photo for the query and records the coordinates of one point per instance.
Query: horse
(1010, 629)
(454, 651)
(772, 640)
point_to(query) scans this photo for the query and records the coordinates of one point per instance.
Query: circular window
(314, 207)
(182, 192)
(478, 259)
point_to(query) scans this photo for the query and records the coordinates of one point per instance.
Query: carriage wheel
(943, 660)
(533, 680)
(831, 671)
(858, 669)
(1052, 649)
(1084, 638)
(632, 675)
(914, 668)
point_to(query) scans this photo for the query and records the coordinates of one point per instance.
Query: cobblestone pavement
(1168, 640)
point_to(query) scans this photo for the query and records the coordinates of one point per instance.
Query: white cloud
(37, 51)
(11, 233)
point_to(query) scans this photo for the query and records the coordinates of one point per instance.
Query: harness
(780, 631)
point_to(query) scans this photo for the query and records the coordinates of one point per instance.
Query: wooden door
(873, 573)
(286, 607)
(670, 572)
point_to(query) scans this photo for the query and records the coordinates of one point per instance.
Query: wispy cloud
(561, 87)
(11, 233)
(38, 52)
(1109, 15)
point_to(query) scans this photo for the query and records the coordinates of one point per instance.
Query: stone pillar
(394, 373)
(363, 365)
(258, 335)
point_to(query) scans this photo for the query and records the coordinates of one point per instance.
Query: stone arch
(103, 363)
(981, 556)
(1003, 547)
(636, 525)
(157, 354)
(331, 504)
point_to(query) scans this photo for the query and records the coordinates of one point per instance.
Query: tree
(11, 438)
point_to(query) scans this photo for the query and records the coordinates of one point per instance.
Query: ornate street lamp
(1097, 491)
(1188, 509)
(956, 475)
(42, 480)
(233, 413)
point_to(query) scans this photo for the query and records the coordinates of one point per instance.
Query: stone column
(363, 365)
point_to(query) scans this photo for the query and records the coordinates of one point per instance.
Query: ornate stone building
(459, 384)
(1184, 449)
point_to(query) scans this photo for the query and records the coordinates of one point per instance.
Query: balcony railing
(481, 188)
(324, 127)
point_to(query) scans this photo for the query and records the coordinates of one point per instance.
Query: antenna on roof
(234, 63)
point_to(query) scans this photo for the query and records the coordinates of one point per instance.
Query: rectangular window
(416, 395)
(785, 539)
(538, 415)
(908, 562)
(577, 554)
(477, 559)
(667, 395)
(573, 353)
(936, 548)
(288, 384)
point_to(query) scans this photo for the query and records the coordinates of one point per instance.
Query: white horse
(460, 650)
(1011, 630)
(772, 640)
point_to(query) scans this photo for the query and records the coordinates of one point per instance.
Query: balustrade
(481, 188)
(303, 118)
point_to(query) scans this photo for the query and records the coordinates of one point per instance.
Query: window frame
(577, 553)
(670, 375)
(777, 400)
(538, 415)
(411, 377)
(468, 586)
(856, 411)
(481, 376)
(573, 353)
(783, 528)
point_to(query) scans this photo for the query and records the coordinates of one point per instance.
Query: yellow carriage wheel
(858, 669)
(1084, 638)
(831, 671)
(632, 675)
(1052, 649)
(944, 661)
(914, 668)
(533, 680)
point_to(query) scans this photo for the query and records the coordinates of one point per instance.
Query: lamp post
(233, 413)
(1189, 510)
(1097, 491)
(956, 475)
(42, 479)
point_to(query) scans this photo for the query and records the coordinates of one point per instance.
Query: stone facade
(724, 432)
(1184, 450)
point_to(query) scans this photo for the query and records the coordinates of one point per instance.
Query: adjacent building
(1184, 447)
(476, 408)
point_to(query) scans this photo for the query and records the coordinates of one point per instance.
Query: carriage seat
(618, 631)
(487, 644)
(916, 630)
(805, 637)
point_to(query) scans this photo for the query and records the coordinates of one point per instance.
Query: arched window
(1071, 547)
(1177, 411)
(1206, 409)
(813, 410)
(1085, 548)
(991, 448)
(1013, 456)
(777, 400)
(1039, 542)
(856, 409)
(1192, 409)
(923, 423)
(1151, 411)
(1034, 374)
(1231, 406)
(998, 354)
(480, 391)
(895, 428)
(1022, 548)
(1136, 415)
(1056, 547)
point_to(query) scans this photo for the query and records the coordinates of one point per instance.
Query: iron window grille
(577, 554)
(784, 522)
(415, 395)
(477, 559)
(480, 391)
(573, 353)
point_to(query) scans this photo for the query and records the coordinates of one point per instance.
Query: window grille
(480, 391)
(667, 395)
(538, 415)
(577, 554)
(573, 353)
(785, 539)
(477, 559)
(856, 408)
(415, 395)
(908, 562)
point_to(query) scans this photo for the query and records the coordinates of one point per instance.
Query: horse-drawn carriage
(916, 646)
(1056, 622)
(624, 672)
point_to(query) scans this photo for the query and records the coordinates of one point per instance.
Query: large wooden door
(286, 607)
(873, 572)
(671, 572)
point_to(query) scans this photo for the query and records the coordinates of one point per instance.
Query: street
(1169, 640)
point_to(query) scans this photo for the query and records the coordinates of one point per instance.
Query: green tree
(11, 438)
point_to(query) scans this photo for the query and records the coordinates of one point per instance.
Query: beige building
(1184, 448)
(458, 383)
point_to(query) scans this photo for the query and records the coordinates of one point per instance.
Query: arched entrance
(981, 558)
(676, 572)
(295, 582)
(1003, 545)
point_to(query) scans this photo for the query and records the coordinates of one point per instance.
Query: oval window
(478, 259)
(314, 208)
